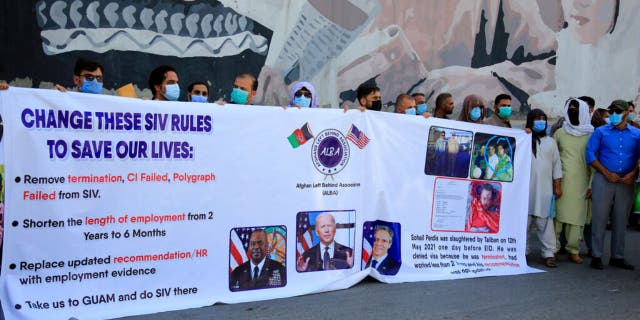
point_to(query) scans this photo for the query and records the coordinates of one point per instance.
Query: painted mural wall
(539, 51)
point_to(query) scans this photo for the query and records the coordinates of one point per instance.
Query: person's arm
(610, 176)
(557, 188)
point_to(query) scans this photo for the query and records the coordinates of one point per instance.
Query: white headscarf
(585, 127)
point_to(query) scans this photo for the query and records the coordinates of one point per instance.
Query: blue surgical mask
(421, 108)
(475, 114)
(239, 96)
(607, 120)
(197, 98)
(91, 86)
(172, 92)
(615, 118)
(630, 117)
(504, 112)
(539, 125)
(302, 101)
(410, 111)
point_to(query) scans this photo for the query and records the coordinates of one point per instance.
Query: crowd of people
(583, 168)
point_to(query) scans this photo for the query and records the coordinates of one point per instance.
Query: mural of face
(590, 19)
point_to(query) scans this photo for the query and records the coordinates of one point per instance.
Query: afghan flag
(300, 136)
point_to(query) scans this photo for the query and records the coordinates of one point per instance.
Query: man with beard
(380, 259)
(328, 254)
(444, 106)
(259, 272)
(369, 97)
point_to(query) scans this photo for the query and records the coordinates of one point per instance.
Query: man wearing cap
(613, 150)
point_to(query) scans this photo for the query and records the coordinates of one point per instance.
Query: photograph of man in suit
(380, 259)
(259, 272)
(328, 254)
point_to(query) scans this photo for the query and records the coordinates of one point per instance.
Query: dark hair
(589, 101)
(631, 104)
(197, 83)
(440, 99)
(86, 64)
(254, 83)
(365, 89)
(535, 136)
(157, 76)
(401, 97)
(597, 119)
(487, 187)
(500, 97)
(418, 94)
(385, 228)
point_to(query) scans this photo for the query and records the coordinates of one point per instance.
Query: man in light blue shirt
(613, 150)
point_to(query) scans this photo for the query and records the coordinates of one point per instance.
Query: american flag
(357, 137)
(238, 246)
(304, 233)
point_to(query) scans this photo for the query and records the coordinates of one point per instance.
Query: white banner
(118, 206)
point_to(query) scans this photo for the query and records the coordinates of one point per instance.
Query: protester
(369, 97)
(163, 82)
(472, 109)
(591, 103)
(198, 92)
(444, 106)
(544, 184)
(87, 77)
(600, 117)
(613, 151)
(421, 102)
(244, 89)
(631, 118)
(405, 104)
(303, 95)
(501, 112)
(571, 208)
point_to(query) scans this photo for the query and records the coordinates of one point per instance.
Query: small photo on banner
(462, 205)
(325, 240)
(448, 152)
(381, 247)
(257, 258)
(493, 157)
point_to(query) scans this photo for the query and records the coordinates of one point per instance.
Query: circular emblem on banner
(330, 152)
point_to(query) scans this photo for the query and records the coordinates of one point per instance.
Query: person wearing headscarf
(544, 184)
(571, 208)
(472, 109)
(303, 95)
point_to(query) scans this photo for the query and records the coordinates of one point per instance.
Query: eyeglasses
(300, 93)
(90, 77)
(616, 111)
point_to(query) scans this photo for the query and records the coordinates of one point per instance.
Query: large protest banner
(118, 206)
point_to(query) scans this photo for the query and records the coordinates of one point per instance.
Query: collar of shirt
(379, 259)
(331, 247)
(259, 265)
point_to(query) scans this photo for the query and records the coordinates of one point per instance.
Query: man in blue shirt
(613, 150)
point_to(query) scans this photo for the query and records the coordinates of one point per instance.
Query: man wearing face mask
(244, 89)
(421, 102)
(631, 118)
(198, 92)
(163, 82)
(369, 96)
(571, 208)
(501, 111)
(303, 95)
(87, 76)
(405, 104)
(613, 151)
